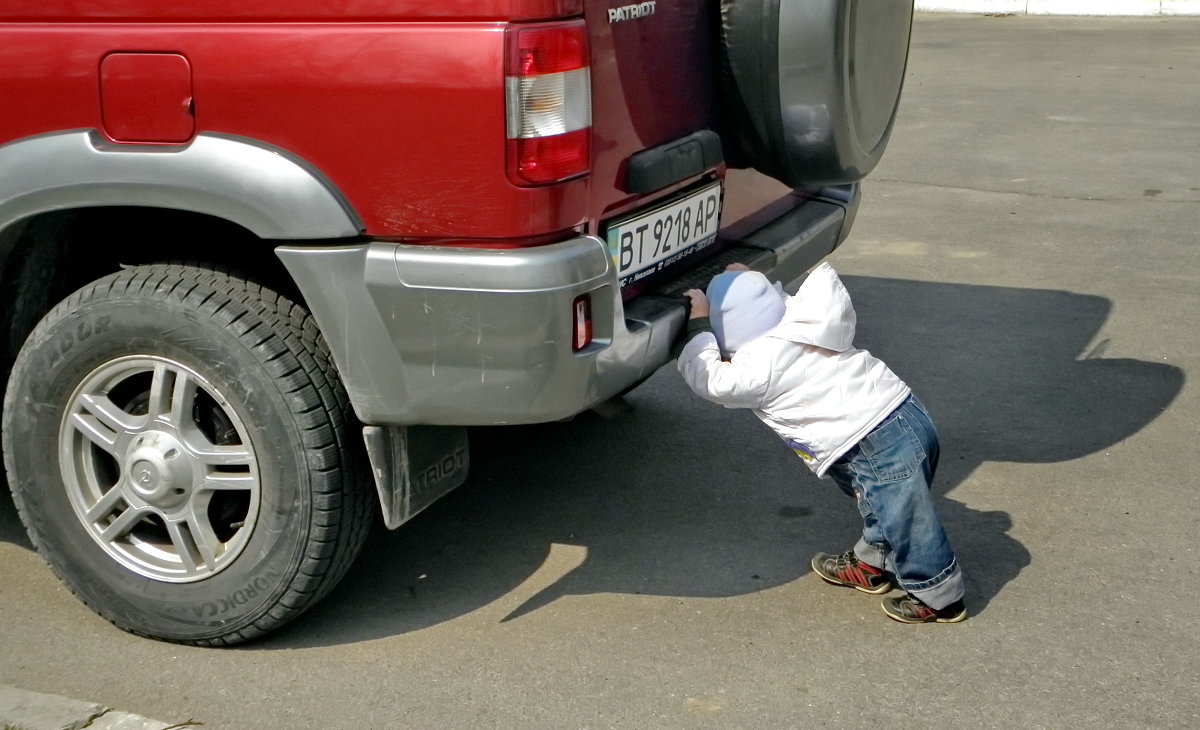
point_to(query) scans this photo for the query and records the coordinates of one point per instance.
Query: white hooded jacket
(804, 378)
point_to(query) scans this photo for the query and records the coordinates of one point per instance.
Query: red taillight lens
(549, 102)
(582, 336)
(547, 49)
(540, 160)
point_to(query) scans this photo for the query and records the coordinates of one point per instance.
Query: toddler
(845, 413)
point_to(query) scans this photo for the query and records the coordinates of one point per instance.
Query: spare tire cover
(810, 87)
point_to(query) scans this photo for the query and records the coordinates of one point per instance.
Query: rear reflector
(548, 102)
(583, 322)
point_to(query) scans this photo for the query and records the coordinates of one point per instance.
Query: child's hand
(697, 303)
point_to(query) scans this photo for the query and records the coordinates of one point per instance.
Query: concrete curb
(1062, 7)
(21, 709)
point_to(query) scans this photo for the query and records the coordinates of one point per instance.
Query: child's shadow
(1011, 375)
(682, 498)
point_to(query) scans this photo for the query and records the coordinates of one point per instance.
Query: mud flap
(414, 466)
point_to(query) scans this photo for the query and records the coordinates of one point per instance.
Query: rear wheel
(177, 443)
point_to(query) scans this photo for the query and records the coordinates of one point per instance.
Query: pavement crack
(91, 719)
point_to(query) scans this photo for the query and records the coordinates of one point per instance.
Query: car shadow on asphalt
(678, 497)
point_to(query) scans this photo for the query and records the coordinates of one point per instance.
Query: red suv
(263, 262)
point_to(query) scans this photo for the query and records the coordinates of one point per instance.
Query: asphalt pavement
(1025, 256)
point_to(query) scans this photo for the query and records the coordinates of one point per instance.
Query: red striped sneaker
(908, 609)
(847, 570)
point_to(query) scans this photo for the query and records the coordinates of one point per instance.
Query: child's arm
(741, 384)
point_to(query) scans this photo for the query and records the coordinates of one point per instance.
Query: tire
(177, 445)
(810, 89)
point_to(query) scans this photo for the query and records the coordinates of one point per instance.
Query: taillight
(549, 102)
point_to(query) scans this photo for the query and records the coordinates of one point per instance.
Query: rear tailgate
(653, 84)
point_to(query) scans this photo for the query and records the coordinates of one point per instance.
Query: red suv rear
(263, 262)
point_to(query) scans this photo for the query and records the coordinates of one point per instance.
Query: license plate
(650, 242)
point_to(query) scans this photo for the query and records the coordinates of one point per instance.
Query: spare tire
(810, 87)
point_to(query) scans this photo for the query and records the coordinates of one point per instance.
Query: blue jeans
(890, 472)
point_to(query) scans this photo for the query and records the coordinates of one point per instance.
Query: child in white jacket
(845, 413)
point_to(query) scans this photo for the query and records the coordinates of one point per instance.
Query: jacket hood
(743, 306)
(820, 313)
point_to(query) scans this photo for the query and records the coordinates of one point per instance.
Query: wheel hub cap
(157, 474)
(159, 468)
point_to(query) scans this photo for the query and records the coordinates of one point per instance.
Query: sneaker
(908, 609)
(848, 570)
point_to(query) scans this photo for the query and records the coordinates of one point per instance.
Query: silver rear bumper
(455, 336)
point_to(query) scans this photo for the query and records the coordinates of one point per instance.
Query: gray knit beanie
(743, 306)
